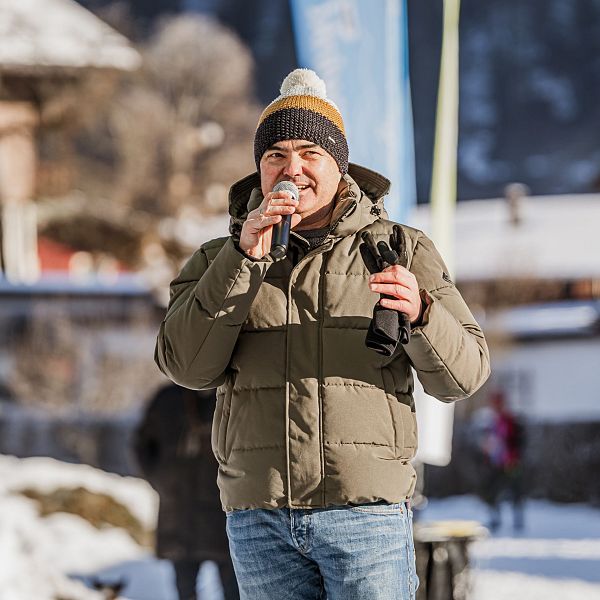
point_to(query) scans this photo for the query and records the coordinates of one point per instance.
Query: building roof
(558, 237)
(59, 34)
(567, 319)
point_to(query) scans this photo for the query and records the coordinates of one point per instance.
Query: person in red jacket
(501, 445)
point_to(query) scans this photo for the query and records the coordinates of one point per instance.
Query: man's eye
(275, 155)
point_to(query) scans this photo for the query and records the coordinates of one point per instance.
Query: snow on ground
(555, 556)
(492, 585)
(37, 552)
(58, 556)
(46, 474)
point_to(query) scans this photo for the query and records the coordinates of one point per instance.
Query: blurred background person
(501, 437)
(172, 445)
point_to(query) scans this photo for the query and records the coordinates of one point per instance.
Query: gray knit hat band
(301, 124)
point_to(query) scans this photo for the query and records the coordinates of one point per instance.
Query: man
(313, 431)
(172, 447)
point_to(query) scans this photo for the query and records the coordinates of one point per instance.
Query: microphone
(281, 230)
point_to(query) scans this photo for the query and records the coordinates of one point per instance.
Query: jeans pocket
(379, 508)
(413, 578)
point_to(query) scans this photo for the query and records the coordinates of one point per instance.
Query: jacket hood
(367, 186)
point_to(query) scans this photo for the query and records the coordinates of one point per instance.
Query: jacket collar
(359, 204)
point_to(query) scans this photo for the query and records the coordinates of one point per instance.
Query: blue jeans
(337, 553)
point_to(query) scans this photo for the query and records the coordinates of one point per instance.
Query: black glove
(388, 326)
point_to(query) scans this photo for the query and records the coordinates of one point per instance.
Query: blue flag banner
(360, 49)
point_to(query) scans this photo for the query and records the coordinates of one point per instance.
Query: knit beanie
(302, 111)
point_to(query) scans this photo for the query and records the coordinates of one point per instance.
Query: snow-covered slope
(37, 552)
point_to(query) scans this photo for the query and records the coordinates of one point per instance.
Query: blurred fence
(76, 367)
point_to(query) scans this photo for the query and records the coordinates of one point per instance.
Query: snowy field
(557, 556)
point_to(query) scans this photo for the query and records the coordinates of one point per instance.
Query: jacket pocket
(403, 417)
(409, 428)
(396, 420)
(221, 428)
(216, 424)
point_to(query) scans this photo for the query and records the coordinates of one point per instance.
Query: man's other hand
(402, 286)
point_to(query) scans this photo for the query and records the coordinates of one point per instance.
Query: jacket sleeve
(210, 300)
(447, 349)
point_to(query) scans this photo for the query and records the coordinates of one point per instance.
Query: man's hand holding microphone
(267, 228)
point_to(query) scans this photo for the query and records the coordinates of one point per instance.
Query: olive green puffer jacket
(307, 416)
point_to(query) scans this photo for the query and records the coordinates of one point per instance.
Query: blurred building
(529, 268)
(525, 249)
(76, 354)
(76, 368)
(46, 46)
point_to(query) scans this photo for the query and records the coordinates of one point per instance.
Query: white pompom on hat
(304, 82)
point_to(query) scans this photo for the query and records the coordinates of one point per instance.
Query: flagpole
(435, 419)
(443, 177)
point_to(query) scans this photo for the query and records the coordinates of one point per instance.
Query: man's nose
(293, 166)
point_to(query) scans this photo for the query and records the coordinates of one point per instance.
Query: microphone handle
(281, 237)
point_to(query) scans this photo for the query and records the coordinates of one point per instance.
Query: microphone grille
(287, 186)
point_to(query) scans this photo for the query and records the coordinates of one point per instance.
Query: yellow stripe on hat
(306, 103)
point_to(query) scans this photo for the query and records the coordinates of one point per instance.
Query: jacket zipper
(326, 246)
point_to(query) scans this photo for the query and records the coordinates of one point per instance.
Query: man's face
(307, 165)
